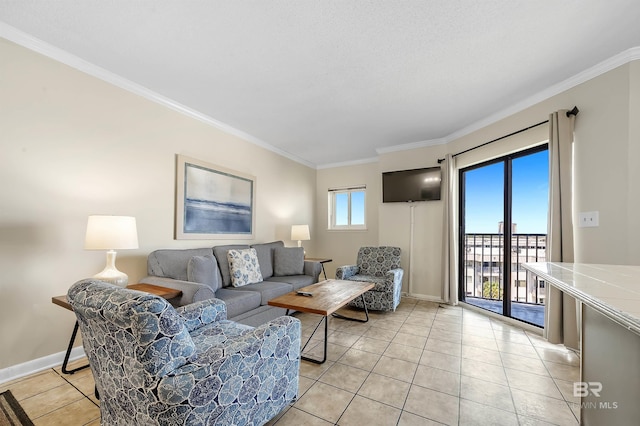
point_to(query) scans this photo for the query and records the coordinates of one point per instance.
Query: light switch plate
(589, 219)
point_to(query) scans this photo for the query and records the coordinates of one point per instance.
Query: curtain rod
(573, 111)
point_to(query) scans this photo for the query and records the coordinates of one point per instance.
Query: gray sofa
(204, 273)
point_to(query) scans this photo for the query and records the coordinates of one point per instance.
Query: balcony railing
(484, 258)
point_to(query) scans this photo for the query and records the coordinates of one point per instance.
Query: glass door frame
(507, 216)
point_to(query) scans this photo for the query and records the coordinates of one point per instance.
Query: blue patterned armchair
(381, 266)
(156, 365)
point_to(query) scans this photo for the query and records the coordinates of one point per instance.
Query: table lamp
(300, 233)
(111, 233)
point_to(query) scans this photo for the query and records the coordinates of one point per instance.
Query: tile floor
(420, 365)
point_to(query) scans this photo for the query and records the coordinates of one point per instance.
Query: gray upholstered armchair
(154, 364)
(381, 266)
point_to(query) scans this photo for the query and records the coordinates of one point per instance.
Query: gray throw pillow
(204, 270)
(220, 253)
(265, 256)
(288, 261)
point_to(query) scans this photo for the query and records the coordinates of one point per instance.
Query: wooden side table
(322, 261)
(164, 292)
(167, 293)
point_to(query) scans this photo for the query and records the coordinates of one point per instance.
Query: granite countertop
(613, 290)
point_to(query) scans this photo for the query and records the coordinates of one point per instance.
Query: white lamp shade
(300, 233)
(111, 233)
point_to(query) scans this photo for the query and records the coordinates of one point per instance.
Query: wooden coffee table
(327, 297)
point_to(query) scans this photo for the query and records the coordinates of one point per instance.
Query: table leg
(366, 313)
(326, 328)
(69, 348)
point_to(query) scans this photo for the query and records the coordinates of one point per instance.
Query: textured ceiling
(332, 81)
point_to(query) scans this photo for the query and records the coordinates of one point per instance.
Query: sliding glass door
(503, 217)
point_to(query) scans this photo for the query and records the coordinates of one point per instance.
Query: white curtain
(561, 320)
(450, 231)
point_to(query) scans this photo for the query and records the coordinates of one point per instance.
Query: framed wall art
(213, 202)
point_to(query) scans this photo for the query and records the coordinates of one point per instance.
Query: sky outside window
(357, 208)
(484, 195)
(342, 208)
(530, 199)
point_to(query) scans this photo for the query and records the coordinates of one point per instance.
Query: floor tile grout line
(62, 375)
(432, 317)
(411, 384)
(460, 374)
(356, 392)
(369, 374)
(58, 407)
(511, 389)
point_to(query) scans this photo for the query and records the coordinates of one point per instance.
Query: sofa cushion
(244, 267)
(267, 289)
(262, 315)
(204, 270)
(172, 263)
(381, 283)
(288, 261)
(220, 252)
(296, 281)
(238, 302)
(265, 256)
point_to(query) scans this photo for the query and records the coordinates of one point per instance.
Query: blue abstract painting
(216, 202)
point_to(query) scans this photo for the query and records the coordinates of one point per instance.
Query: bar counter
(609, 297)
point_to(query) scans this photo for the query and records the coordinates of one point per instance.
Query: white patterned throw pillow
(244, 267)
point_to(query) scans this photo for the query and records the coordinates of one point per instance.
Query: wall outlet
(589, 219)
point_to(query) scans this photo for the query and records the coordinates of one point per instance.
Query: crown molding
(607, 65)
(19, 37)
(347, 163)
(411, 145)
(25, 40)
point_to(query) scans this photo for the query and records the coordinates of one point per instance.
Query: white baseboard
(37, 365)
(423, 297)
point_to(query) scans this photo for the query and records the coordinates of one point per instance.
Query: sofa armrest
(394, 275)
(202, 377)
(347, 271)
(202, 313)
(191, 292)
(313, 269)
(283, 334)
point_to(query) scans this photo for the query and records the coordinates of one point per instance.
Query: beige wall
(342, 246)
(72, 145)
(421, 255)
(605, 172)
(607, 175)
(633, 166)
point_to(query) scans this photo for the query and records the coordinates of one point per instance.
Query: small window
(347, 208)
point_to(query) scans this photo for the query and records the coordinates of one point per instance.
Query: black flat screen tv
(411, 185)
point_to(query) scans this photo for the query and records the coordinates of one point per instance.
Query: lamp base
(111, 274)
(303, 251)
